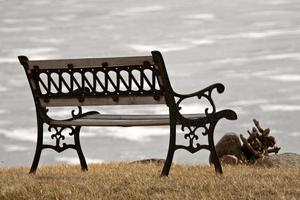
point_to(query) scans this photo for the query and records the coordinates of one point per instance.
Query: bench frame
(164, 94)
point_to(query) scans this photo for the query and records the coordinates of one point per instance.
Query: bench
(115, 81)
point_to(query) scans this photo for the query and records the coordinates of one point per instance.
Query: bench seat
(121, 120)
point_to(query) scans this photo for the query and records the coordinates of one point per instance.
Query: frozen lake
(251, 46)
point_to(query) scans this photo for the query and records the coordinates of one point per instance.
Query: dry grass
(142, 181)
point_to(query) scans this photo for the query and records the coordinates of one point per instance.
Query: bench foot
(172, 146)
(36, 160)
(83, 164)
(214, 156)
(216, 161)
(39, 148)
(168, 163)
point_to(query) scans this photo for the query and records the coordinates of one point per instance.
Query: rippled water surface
(252, 47)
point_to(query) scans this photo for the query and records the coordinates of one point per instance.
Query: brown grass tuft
(142, 181)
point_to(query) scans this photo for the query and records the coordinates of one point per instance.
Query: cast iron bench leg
(215, 159)
(83, 164)
(211, 146)
(39, 148)
(172, 148)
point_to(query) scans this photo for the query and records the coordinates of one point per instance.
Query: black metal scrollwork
(80, 113)
(193, 138)
(77, 115)
(202, 94)
(59, 137)
(94, 81)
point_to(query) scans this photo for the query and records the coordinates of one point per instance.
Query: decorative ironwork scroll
(193, 139)
(100, 80)
(202, 94)
(58, 134)
(59, 138)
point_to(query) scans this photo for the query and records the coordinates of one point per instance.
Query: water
(252, 47)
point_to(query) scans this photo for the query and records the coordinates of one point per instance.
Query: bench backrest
(97, 81)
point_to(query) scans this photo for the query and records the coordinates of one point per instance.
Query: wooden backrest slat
(90, 62)
(96, 101)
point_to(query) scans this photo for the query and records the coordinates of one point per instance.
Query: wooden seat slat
(121, 120)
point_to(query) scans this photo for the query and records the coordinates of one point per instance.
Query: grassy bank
(142, 181)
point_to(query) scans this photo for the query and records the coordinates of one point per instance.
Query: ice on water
(252, 47)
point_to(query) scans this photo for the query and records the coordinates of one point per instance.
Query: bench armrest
(204, 93)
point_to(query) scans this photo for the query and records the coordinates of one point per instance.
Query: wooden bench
(110, 81)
